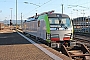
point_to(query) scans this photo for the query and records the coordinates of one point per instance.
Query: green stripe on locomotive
(45, 18)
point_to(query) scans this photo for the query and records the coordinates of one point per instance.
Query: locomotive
(52, 28)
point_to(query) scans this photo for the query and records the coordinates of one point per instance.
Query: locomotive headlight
(48, 36)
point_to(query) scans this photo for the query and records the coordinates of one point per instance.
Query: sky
(73, 8)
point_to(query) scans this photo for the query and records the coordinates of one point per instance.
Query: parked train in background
(81, 24)
(52, 28)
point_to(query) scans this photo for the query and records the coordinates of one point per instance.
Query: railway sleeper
(80, 51)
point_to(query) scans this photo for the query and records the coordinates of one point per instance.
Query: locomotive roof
(58, 15)
(49, 15)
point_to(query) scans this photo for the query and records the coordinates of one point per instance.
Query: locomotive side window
(39, 23)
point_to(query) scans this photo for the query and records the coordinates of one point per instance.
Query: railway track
(83, 40)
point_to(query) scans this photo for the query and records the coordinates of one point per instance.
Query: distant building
(81, 24)
(1, 26)
(7, 22)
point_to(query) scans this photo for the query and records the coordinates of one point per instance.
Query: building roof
(80, 18)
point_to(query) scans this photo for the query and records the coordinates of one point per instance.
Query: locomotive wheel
(49, 44)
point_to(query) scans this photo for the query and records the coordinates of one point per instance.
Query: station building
(81, 24)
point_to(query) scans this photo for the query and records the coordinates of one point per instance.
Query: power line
(39, 6)
(31, 4)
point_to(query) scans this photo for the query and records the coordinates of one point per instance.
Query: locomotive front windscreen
(62, 22)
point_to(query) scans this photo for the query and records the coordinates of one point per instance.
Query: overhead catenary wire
(39, 6)
(29, 3)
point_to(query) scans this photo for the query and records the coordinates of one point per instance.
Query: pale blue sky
(46, 5)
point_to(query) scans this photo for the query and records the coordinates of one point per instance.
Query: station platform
(14, 46)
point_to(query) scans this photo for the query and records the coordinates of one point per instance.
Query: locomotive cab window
(53, 21)
(60, 22)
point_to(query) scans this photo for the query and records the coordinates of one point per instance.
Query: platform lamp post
(21, 20)
(16, 14)
(5, 21)
(11, 13)
(62, 8)
(11, 16)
